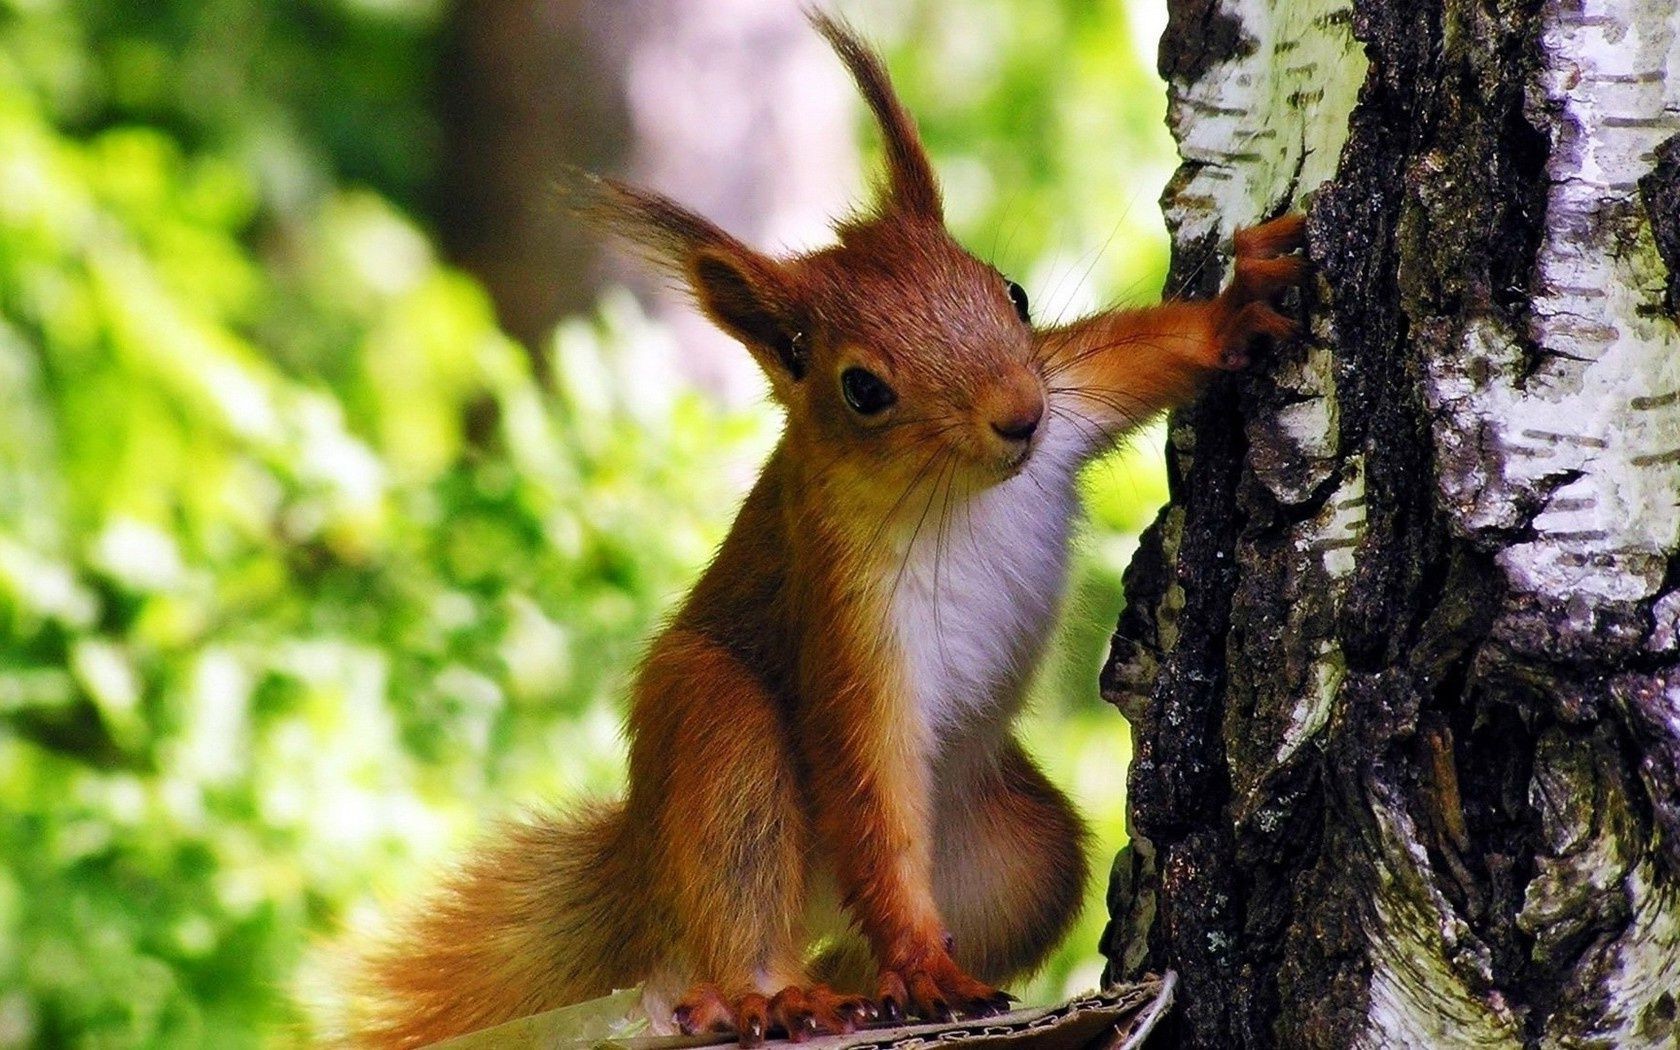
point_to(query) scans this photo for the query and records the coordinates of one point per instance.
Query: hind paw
(794, 1012)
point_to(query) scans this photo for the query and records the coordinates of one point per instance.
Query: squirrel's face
(919, 357)
(895, 352)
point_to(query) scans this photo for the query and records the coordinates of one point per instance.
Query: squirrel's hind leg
(1009, 864)
(1009, 873)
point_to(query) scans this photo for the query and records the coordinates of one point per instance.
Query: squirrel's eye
(865, 391)
(1018, 296)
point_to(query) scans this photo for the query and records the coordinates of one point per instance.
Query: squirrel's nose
(1021, 425)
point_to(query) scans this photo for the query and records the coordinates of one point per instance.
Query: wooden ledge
(1119, 1018)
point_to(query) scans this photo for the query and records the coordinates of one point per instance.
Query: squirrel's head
(895, 352)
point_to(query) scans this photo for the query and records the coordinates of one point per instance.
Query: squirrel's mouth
(1015, 461)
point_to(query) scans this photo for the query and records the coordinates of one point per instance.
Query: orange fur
(498, 942)
(1124, 366)
(783, 738)
(867, 764)
(1009, 867)
(1010, 864)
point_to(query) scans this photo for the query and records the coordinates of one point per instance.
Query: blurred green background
(315, 554)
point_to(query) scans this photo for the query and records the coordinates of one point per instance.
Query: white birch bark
(1432, 800)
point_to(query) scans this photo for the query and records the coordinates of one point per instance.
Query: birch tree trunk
(1402, 656)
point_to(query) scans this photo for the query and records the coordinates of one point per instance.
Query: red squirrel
(828, 818)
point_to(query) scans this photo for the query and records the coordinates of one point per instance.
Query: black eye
(865, 391)
(1018, 296)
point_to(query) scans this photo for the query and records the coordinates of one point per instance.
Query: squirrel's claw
(803, 1013)
(799, 1012)
(1264, 271)
(936, 989)
(705, 1011)
(893, 996)
(1279, 236)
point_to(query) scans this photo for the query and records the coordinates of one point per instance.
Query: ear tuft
(741, 290)
(910, 180)
(661, 227)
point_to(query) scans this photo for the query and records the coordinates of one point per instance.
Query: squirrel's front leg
(1113, 371)
(869, 788)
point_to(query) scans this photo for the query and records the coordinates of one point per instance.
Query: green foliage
(298, 564)
(302, 571)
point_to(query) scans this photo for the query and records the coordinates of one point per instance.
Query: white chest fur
(978, 595)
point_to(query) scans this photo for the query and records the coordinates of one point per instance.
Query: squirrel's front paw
(1265, 269)
(937, 989)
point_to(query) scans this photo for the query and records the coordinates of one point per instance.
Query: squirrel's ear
(743, 291)
(911, 186)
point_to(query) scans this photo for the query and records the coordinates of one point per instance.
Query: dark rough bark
(1407, 749)
(1660, 193)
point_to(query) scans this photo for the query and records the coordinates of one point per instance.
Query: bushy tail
(546, 914)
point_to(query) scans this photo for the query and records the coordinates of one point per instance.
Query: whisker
(910, 547)
(968, 517)
(1096, 257)
(913, 420)
(869, 545)
(938, 562)
(1093, 433)
(1124, 402)
(1142, 339)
